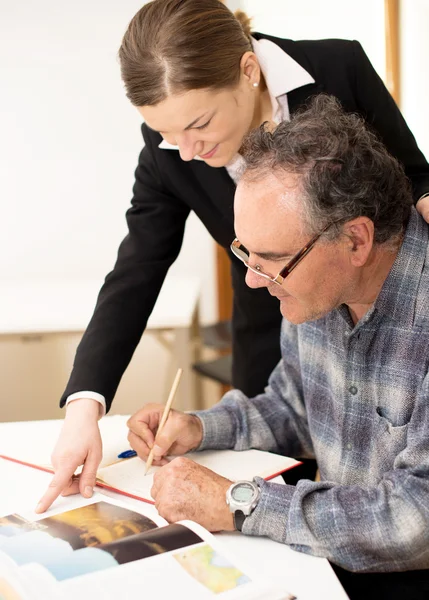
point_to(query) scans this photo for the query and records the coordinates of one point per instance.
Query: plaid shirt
(355, 397)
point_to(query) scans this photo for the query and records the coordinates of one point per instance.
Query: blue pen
(127, 454)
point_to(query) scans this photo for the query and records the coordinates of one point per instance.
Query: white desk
(309, 578)
(38, 308)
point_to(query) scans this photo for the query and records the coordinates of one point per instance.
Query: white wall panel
(415, 68)
(313, 19)
(69, 144)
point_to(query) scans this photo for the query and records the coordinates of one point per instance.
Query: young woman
(201, 80)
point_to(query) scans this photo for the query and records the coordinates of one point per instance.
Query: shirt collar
(399, 294)
(281, 72)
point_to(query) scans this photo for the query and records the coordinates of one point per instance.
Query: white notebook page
(128, 476)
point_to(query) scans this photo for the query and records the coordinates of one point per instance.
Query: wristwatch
(242, 498)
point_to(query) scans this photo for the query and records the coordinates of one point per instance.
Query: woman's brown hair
(173, 46)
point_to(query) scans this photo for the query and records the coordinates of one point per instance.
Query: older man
(325, 222)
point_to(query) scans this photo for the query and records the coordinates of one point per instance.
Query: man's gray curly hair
(345, 170)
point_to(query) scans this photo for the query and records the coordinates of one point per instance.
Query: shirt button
(353, 390)
(349, 446)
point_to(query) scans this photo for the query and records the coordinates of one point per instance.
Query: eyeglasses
(243, 254)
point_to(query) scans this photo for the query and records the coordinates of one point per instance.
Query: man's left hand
(185, 490)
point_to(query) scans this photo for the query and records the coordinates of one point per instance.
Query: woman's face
(206, 123)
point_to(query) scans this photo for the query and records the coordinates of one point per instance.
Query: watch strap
(239, 518)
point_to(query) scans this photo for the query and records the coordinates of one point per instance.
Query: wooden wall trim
(392, 33)
(224, 285)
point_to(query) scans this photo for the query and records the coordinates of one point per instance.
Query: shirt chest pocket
(394, 396)
(385, 426)
(388, 441)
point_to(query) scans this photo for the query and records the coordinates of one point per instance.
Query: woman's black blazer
(166, 189)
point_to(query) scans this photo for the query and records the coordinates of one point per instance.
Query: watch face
(243, 492)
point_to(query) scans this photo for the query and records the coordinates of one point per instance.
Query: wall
(69, 144)
(312, 19)
(414, 68)
(68, 149)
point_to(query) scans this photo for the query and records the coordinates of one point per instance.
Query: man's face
(268, 223)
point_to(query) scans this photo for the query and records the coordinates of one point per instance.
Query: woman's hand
(423, 208)
(79, 444)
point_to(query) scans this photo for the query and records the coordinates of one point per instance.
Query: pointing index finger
(60, 481)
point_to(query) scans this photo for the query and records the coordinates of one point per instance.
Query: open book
(127, 476)
(103, 549)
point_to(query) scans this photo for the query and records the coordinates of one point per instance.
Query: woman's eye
(203, 126)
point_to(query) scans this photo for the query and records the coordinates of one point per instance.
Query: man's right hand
(180, 434)
(79, 443)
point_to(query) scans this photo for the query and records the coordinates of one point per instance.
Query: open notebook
(127, 476)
